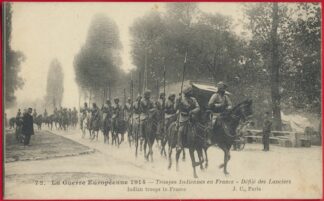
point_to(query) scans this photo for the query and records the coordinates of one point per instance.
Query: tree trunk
(275, 94)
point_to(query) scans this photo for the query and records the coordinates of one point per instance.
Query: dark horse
(202, 135)
(145, 131)
(193, 140)
(119, 126)
(224, 134)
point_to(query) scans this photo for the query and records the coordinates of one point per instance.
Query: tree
(97, 63)
(275, 66)
(13, 60)
(265, 21)
(55, 83)
(147, 33)
(302, 68)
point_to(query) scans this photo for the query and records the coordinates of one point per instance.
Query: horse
(85, 123)
(193, 140)
(130, 134)
(38, 121)
(119, 126)
(224, 134)
(49, 121)
(150, 127)
(106, 127)
(94, 127)
(163, 132)
(137, 133)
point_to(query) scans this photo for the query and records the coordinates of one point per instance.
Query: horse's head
(243, 110)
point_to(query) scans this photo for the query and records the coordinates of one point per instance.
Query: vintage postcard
(154, 100)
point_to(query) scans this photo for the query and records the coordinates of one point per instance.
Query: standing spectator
(28, 128)
(267, 123)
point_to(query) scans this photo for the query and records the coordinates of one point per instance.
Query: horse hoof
(195, 176)
(226, 173)
(221, 166)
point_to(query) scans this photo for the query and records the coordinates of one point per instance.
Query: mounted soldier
(18, 114)
(34, 114)
(107, 110)
(95, 120)
(160, 106)
(170, 105)
(84, 113)
(137, 108)
(117, 111)
(128, 109)
(45, 114)
(146, 105)
(119, 125)
(188, 109)
(219, 103)
(106, 117)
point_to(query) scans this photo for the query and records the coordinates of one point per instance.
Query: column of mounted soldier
(179, 121)
(183, 121)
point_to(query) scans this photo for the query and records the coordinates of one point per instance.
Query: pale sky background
(44, 31)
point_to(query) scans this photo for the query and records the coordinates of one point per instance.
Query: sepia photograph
(162, 100)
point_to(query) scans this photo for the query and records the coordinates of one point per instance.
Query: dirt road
(113, 172)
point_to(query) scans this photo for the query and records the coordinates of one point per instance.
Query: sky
(44, 31)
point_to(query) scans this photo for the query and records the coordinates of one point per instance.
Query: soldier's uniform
(45, 114)
(18, 114)
(219, 103)
(84, 112)
(160, 106)
(34, 114)
(128, 110)
(137, 105)
(188, 107)
(145, 106)
(170, 106)
(107, 111)
(117, 111)
(95, 118)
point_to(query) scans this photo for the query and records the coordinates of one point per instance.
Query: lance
(181, 89)
(124, 103)
(139, 112)
(163, 104)
(132, 94)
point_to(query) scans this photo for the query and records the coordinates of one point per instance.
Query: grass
(44, 145)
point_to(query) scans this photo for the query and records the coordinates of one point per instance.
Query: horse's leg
(136, 144)
(226, 158)
(151, 150)
(163, 143)
(193, 162)
(178, 152)
(201, 158)
(145, 155)
(170, 158)
(206, 157)
(183, 155)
